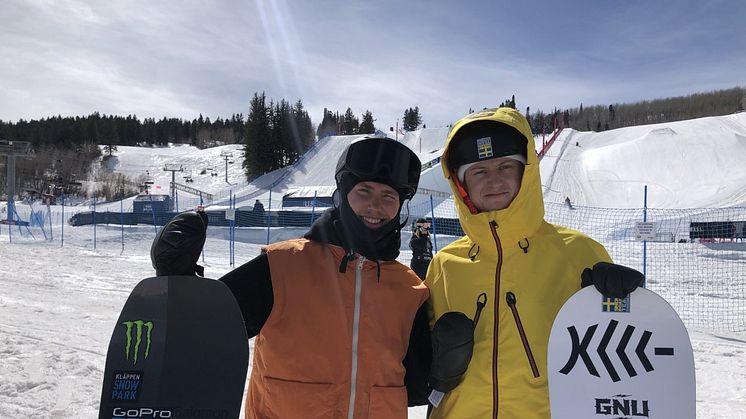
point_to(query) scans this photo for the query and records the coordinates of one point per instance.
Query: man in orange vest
(340, 325)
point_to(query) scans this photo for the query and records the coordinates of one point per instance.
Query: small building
(309, 196)
(149, 203)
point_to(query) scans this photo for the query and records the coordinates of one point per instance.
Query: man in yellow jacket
(512, 269)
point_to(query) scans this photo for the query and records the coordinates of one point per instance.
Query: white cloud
(180, 59)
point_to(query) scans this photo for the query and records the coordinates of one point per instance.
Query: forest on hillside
(605, 117)
(64, 149)
(275, 134)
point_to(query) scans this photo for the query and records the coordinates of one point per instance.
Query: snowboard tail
(615, 358)
(178, 350)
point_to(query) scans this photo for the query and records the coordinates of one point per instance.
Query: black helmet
(381, 160)
(176, 248)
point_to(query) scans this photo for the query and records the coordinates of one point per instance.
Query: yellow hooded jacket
(527, 268)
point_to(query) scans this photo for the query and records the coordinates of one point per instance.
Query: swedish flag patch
(615, 305)
(484, 147)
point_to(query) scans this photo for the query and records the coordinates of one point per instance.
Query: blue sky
(185, 58)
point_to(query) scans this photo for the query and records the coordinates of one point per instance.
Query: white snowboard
(611, 358)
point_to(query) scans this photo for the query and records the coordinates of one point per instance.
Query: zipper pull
(510, 298)
(481, 302)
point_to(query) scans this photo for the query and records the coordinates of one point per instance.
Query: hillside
(685, 164)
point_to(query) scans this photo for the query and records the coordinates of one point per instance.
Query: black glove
(176, 248)
(612, 280)
(453, 345)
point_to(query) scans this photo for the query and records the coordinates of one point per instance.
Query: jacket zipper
(498, 268)
(511, 300)
(355, 335)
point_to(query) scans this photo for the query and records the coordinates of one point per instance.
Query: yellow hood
(526, 212)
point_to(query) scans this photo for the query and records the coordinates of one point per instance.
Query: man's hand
(612, 280)
(453, 345)
(176, 248)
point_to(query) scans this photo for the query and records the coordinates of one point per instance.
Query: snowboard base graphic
(178, 350)
(620, 358)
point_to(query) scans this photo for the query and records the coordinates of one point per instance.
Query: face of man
(374, 203)
(493, 184)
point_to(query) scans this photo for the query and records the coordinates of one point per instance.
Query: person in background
(568, 202)
(341, 327)
(257, 214)
(512, 269)
(422, 247)
(258, 207)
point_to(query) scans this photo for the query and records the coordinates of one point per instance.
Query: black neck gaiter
(376, 244)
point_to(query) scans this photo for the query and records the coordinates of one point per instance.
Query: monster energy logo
(138, 338)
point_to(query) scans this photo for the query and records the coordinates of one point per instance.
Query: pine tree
(412, 119)
(508, 103)
(304, 126)
(367, 127)
(328, 125)
(258, 148)
(279, 132)
(350, 123)
(293, 130)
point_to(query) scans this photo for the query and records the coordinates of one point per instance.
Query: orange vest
(333, 341)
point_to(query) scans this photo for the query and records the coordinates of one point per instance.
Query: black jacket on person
(251, 284)
(422, 254)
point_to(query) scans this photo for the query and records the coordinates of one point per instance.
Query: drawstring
(346, 258)
(378, 270)
(349, 255)
(464, 195)
(520, 244)
(472, 257)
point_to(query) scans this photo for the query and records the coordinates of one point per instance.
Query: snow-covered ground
(58, 304)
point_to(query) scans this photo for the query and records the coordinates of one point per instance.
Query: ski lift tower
(13, 149)
(173, 168)
(226, 155)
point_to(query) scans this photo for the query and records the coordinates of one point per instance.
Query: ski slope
(314, 169)
(687, 164)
